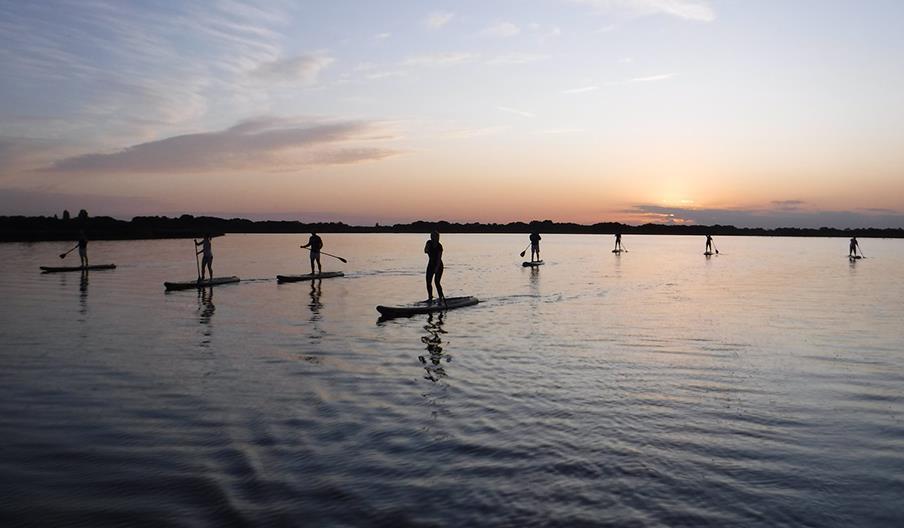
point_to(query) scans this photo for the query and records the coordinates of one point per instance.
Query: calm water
(762, 387)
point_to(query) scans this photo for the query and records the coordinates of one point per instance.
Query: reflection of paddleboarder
(854, 247)
(535, 246)
(618, 246)
(434, 251)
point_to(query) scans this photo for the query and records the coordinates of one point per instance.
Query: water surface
(761, 387)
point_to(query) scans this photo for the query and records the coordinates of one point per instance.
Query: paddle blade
(523, 252)
(343, 260)
(63, 255)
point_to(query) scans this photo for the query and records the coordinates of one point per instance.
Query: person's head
(434, 236)
(206, 236)
(313, 234)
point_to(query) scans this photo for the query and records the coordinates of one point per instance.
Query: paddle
(63, 255)
(327, 254)
(525, 249)
(717, 249)
(198, 262)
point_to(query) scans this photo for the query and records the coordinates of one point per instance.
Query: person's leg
(439, 287)
(319, 266)
(312, 262)
(430, 270)
(209, 268)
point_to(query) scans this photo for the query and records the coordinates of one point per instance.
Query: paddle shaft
(198, 261)
(68, 252)
(525, 249)
(327, 254)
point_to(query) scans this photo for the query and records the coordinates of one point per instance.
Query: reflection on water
(206, 308)
(434, 359)
(83, 294)
(316, 305)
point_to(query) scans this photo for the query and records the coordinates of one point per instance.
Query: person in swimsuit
(709, 243)
(434, 251)
(83, 248)
(315, 243)
(618, 242)
(854, 247)
(534, 246)
(207, 258)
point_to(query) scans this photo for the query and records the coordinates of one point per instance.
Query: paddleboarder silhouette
(854, 247)
(535, 246)
(709, 244)
(315, 244)
(207, 258)
(618, 246)
(434, 251)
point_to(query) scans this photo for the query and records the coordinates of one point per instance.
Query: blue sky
(584, 110)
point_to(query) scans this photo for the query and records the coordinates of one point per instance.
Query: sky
(746, 112)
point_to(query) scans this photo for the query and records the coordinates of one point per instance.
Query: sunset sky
(757, 112)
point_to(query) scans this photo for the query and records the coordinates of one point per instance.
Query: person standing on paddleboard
(854, 247)
(434, 251)
(207, 256)
(618, 242)
(535, 246)
(709, 244)
(315, 244)
(83, 248)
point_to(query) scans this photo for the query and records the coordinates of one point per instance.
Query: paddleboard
(528, 264)
(618, 250)
(309, 276)
(425, 307)
(709, 253)
(855, 257)
(57, 269)
(188, 285)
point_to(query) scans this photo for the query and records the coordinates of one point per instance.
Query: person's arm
(427, 247)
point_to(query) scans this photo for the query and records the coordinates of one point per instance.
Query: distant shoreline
(43, 228)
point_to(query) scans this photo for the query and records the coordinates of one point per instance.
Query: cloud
(696, 10)
(767, 217)
(500, 30)
(787, 205)
(265, 143)
(517, 58)
(466, 133)
(302, 69)
(515, 111)
(652, 78)
(435, 59)
(583, 89)
(382, 36)
(438, 19)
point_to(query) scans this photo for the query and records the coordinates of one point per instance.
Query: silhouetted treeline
(31, 228)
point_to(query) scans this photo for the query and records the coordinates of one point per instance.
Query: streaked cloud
(771, 217)
(434, 59)
(501, 30)
(515, 111)
(517, 58)
(582, 89)
(696, 10)
(382, 36)
(265, 143)
(652, 78)
(302, 69)
(438, 19)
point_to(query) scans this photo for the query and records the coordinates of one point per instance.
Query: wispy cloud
(774, 216)
(438, 19)
(500, 30)
(515, 111)
(302, 69)
(466, 133)
(382, 36)
(434, 59)
(697, 10)
(583, 89)
(652, 78)
(265, 143)
(517, 58)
